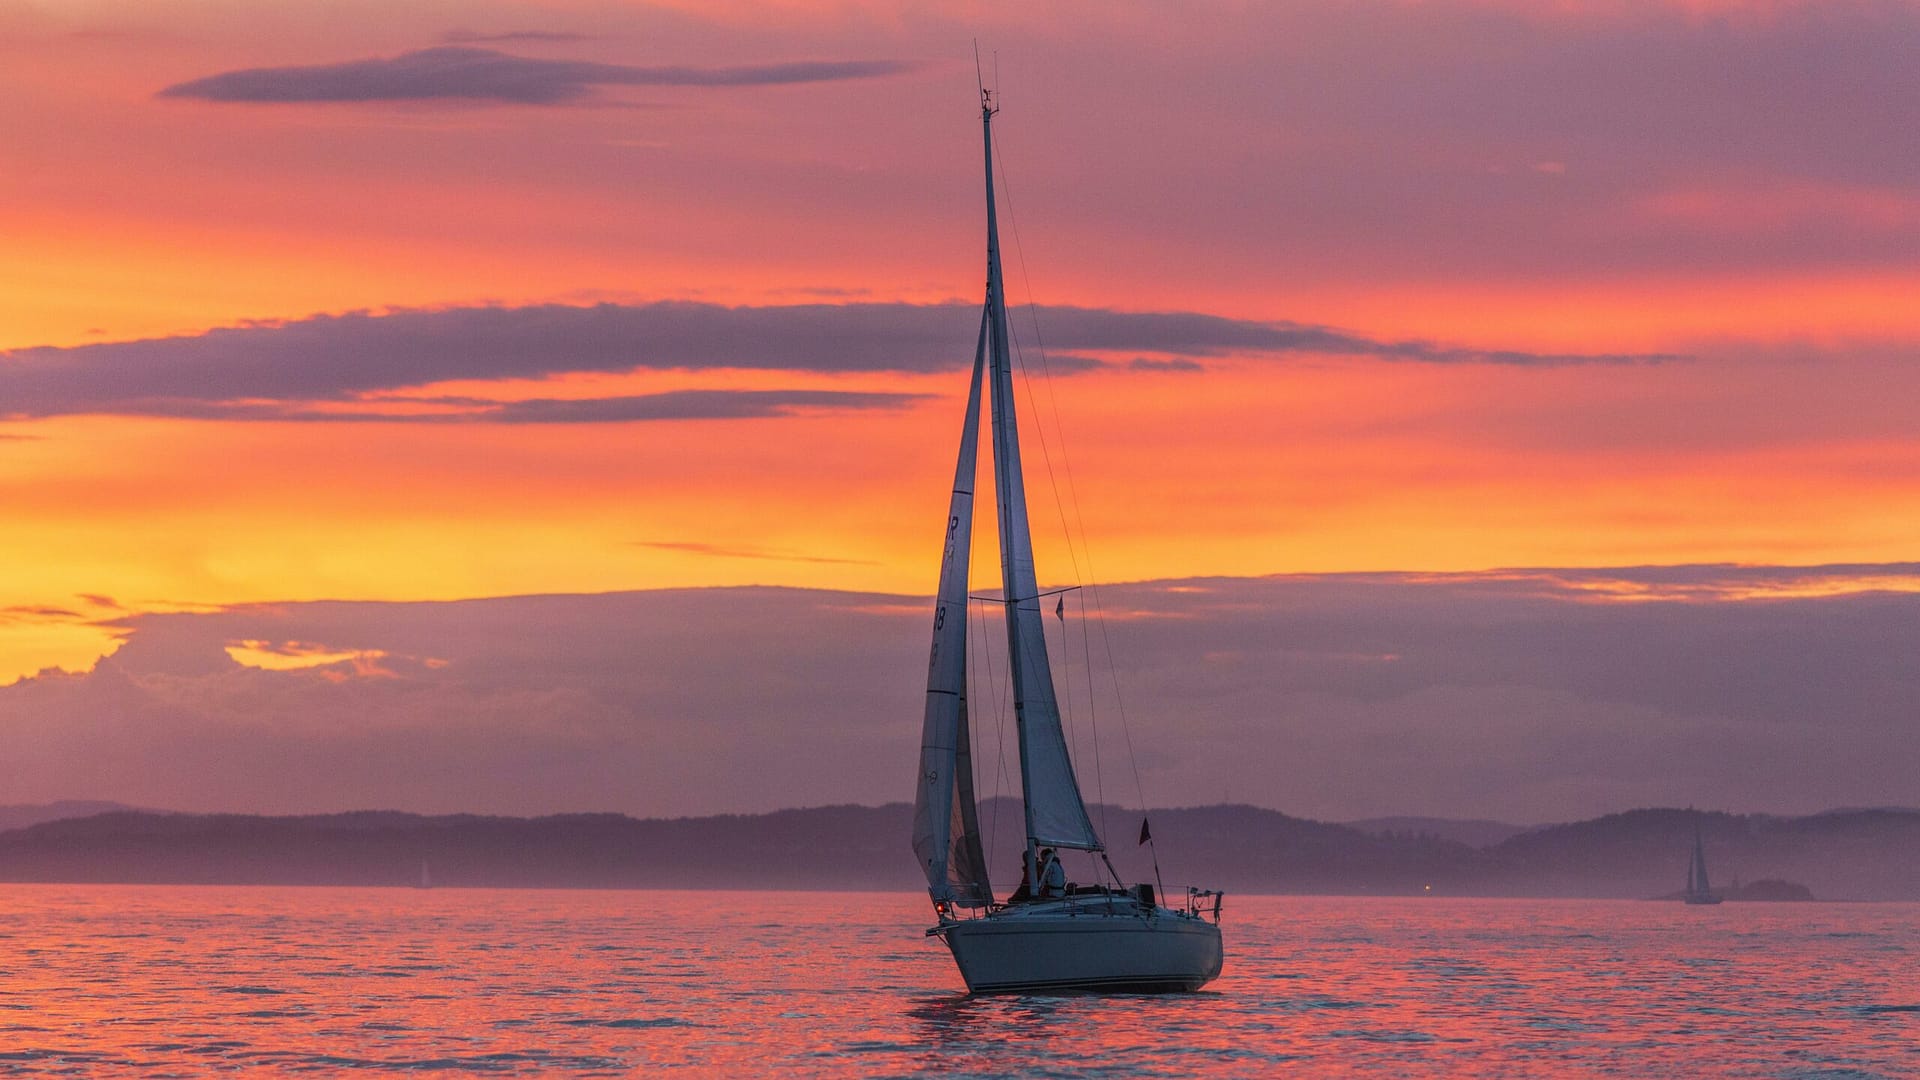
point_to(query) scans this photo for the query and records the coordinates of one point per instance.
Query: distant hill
(21, 815)
(1848, 854)
(1473, 832)
(1871, 854)
(1239, 847)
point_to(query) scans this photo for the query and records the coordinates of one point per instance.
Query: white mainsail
(946, 826)
(1056, 815)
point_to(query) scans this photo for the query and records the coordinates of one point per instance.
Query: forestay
(1056, 815)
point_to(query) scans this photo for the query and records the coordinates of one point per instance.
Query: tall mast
(1056, 816)
(1005, 473)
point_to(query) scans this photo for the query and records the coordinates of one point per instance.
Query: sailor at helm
(1053, 876)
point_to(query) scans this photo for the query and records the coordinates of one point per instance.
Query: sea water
(190, 981)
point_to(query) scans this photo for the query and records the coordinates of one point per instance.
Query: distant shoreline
(1868, 855)
(911, 895)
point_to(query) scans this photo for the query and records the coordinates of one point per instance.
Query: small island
(1765, 889)
(1770, 889)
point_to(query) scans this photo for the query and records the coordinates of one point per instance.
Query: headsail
(946, 828)
(1697, 873)
(1056, 815)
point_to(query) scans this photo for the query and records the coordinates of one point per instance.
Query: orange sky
(1463, 174)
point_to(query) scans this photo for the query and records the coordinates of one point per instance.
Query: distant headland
(1849, 854)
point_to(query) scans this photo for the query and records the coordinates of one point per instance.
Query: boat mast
(1005, 475)
(1056, 812)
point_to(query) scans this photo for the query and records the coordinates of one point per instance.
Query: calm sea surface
(165, 981)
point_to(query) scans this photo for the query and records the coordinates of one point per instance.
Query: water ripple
(154, 982)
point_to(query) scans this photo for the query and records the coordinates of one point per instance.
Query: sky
(325, 327)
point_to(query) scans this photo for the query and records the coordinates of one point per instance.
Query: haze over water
(181, 981)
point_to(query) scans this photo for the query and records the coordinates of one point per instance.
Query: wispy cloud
(465, 73)
(685, 405)
(1195, 334)
(719, 551)
(1147, 363)
(37, 613)
(667, 405)
(471, 37)
(288, 370)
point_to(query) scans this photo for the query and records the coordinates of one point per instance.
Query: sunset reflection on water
(124, 980)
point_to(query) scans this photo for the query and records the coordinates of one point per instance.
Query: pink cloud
(1511, 694)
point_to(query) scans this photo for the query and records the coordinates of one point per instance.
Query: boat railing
(1137, 901)
(1204, 902)
(1078, 898)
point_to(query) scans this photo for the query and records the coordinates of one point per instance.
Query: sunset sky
(408, 302)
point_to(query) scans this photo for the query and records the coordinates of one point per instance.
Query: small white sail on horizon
(1698, 890)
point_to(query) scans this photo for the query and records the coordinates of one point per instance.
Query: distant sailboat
(1698, 890)
(1047, 935)
(426, 879)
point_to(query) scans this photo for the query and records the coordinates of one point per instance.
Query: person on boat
(1025, 890)
(1053, 876)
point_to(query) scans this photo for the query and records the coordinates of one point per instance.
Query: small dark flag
(1060, 609)
(1145, 833)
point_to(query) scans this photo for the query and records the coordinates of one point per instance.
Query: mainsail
(946, 826)
(1056, 816)
(1697, 872)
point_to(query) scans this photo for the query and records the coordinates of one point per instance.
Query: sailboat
(1698, 891)
(1046, 935)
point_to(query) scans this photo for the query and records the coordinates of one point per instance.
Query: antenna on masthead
(987, 107)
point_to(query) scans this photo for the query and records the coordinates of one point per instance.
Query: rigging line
(1079, 520)
(1046, 452)
(1066, 680)
(1046, 371)
(1041, 595)
(973, 694)
(1020, 255)
(1093, 707)
(1000, 779)
(1120, 702)
(985, 654)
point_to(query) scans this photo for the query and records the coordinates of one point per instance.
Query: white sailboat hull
(1060, 946)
